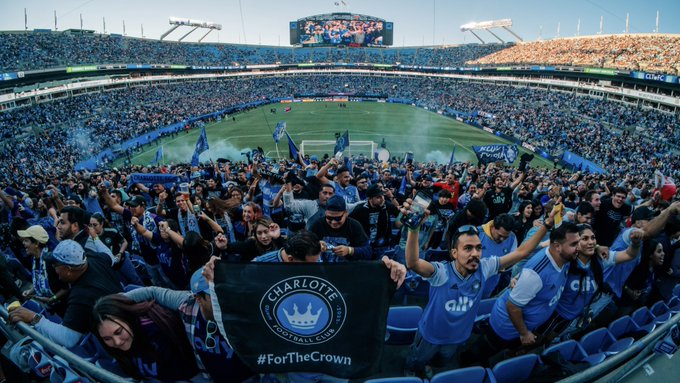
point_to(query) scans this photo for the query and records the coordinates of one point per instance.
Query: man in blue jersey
(341, 184)
(519, 313)
(497, 240)
(456, 289)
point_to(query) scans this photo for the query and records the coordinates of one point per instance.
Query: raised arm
(530, 244)
(321, 175)
(106, 197)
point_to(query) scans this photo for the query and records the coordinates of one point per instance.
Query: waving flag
(159, 156)
(493, 153)
(453, 157)
(201, 146)
(292, 149)
(278, 131)
(341, 143)
(280, 317)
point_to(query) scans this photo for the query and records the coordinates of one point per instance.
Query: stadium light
(177, 22)
(487, 26)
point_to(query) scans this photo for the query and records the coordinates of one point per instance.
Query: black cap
(336, 203)
(136, 201)
(643, 213)
(374, 191)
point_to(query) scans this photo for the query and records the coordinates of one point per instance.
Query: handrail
(76, 362)
(637, 349)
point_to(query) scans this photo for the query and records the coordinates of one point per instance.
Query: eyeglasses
(210, 330)
(334, 219)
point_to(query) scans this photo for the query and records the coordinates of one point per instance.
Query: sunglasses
(334, 219)
(210, 330)
(467, 229)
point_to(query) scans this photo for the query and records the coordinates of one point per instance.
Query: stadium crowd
(42, 50)
(56, 135)
(609, 244)
(651, 53)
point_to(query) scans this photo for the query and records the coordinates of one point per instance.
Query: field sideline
(428, 135)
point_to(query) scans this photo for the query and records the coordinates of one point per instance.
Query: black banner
(302, 317)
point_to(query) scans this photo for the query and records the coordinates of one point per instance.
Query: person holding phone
(456, 289)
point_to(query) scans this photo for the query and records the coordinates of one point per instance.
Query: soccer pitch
(430, 136)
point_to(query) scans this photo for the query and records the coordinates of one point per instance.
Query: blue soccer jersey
(454, 301)
(491, 248)
(616, 276)
(581, 287)
(536, 292)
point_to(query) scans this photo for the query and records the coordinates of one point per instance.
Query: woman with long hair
(523, 219)
(266, 238)
(639, 285)
(147, 340)
(115, 241)
(245, 228)
(222, 212)
(585, 280)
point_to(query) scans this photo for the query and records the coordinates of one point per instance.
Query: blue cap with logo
(68, 252)
(198, 282)
(336, 203)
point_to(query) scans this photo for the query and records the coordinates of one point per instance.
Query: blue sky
(415, 22)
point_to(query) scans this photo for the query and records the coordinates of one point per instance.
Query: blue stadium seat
(485, 307)
(659, 308)
(573, 352)
(63, 373)
(402, 324)
(676, 290)
(625, 327)
(644, 319)
(464, 375)
(674, 305)
(399, 379)
(33, 306)
(516, 370)
(602, 341)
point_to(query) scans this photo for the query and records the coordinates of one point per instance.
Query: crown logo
(304, 321)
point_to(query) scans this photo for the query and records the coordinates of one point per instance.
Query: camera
(524, 160)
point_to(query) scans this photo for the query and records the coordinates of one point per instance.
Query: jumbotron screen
(341, 29)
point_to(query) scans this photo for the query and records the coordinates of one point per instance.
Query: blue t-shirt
(350, 193)
(536, 292)
(492, 249)
(454, 301)
(575, 298)
(269, 192)
(616, 276)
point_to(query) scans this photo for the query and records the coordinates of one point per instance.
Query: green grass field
(428, 135)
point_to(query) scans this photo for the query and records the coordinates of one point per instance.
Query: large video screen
(356, 33)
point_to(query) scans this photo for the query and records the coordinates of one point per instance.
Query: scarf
(40, 283)
(188, 223)
(137, 239)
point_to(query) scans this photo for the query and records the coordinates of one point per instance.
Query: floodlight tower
(177, 22)
(487, 26)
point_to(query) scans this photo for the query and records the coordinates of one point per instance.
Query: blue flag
(350, 167)
(278, 131)
(341, 143)
(201, 146)
(453, 157)
(402, 187)
(159, 156)
(493, 153)
(292, 149)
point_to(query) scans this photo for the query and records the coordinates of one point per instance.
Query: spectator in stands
(342, 185)
(115, 241)
(267, 238)
(473, 214)
(344, 238)
(442, 210)
(309, 209)
(518, 315)
(456, 290)
(497, 240)
(499, 199)
(523, 220)
(375, 217)
(73, 224)
(47, 288)
(90, 278)
(144, 338)
(609, 217)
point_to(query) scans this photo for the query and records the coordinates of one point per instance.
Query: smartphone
(197, 209)
(418, 207)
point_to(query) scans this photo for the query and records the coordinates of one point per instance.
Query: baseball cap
(68, 252)
(374, 191)
(74, 197)
(136, 201)
(643, 213)
(314, 158)
(36, 232)
(336, 203)
(426, 177)
(198, 282)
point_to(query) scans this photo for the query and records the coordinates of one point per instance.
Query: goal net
(319, 148)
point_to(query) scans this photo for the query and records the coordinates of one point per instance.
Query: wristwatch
(35, 320)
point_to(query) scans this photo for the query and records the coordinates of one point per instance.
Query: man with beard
(456, 289)
(613, 211)
(374, 217)
(521, 313)
(499, 199)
